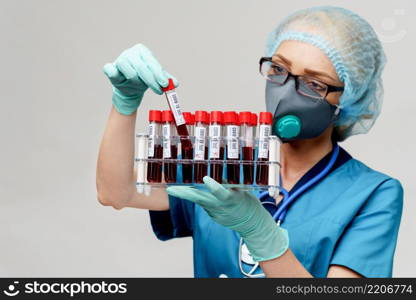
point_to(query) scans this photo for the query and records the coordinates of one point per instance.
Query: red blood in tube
(186, 148)
(262, 174)
(201, 168)
(154, 169)
(187, 167)
(170, 168)
(246, 118)
(233, 168)
(248, 168)
(233, 171)
(183, 132)
(186, 144)
(216, 164)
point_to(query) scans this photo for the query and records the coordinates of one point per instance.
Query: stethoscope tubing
(280, 214)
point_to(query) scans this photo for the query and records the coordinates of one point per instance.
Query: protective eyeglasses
(305, 85)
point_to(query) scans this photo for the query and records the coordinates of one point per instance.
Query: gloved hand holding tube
(132, 73)
(242, 212)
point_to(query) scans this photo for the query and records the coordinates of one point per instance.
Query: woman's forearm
(286, 265)
(115, 165)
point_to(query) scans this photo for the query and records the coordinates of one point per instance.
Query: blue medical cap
(352, 46)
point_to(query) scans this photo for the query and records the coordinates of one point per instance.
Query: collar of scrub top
(340, 157)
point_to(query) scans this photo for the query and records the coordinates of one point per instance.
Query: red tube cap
(216, 117)
(244, 117)
(253, 119)
(171, 86)
(266, 118)
(155, 116)
(202, 116)
(230, 117)
(167, 116)
(189, 118)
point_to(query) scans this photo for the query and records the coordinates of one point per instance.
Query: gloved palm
(242, 212)
(133, 72)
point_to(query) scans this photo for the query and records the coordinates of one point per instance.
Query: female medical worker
(323, 70)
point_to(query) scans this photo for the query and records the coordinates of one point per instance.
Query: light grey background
(55, 101)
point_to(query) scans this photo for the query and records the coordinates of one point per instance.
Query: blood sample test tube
(142, 144)
(201, 145)
(216, 145)
(187, 156)
(262, 169)
(182, 130)
(254, 124)
(247, 143)
(187, 152)
(172, 98)
(170, 146)
(190, 122)
(155, 149)
(274, 154)
(233, 146)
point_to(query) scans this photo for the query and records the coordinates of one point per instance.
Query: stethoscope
(243, 252)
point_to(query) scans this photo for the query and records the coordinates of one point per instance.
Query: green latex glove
(135, 70)
(242, 212)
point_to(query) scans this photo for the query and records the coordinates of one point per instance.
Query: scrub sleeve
(368, 242)
(176, 222)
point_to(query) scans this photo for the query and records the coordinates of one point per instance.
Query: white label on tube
(214, 141)
(232, 141)
(174, 106)
(248, 138)
(141, 165)
(200, 136)
(151, 146)
(264, 140)
(215, 131)
(166, 140)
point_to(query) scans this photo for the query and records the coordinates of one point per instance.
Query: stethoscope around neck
(280, 214)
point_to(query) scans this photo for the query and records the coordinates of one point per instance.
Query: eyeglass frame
(330, 88)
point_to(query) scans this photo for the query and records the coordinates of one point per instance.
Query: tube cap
(216, 117)
(253, 120)
(202, 116)
(167, 116)
(171, 86)
(244, 117)
(266, 118)
(155, 116)
(189, 118)
(230, 117)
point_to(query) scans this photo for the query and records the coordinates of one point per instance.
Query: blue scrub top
(349, 218)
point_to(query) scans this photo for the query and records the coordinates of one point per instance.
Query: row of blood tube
(214, 137)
